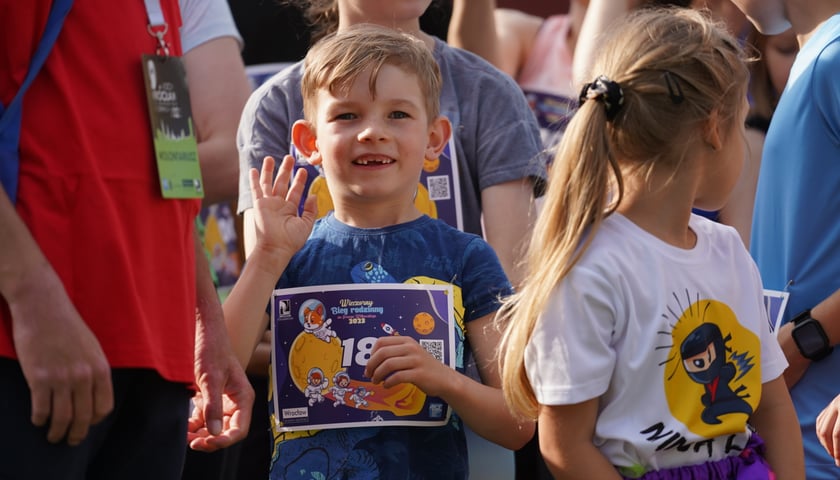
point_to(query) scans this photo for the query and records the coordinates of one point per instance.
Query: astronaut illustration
(358, 397)
(316, 383)
(341, 385)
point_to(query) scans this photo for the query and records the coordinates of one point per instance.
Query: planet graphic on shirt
(423, 323)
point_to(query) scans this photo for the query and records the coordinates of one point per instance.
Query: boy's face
(768, 16)
(372, 149)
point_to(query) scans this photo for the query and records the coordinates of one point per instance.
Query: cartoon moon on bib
(423, 323)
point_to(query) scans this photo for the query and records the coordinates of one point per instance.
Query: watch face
(809, 338)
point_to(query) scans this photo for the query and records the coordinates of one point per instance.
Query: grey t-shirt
(495, 133)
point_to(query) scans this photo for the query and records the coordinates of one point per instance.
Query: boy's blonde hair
(677, 69)
(338, 59)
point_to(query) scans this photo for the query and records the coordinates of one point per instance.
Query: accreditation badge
(173, 131)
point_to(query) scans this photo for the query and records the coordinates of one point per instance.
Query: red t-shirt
(88, 187)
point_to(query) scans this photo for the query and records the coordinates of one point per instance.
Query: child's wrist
(270, 260)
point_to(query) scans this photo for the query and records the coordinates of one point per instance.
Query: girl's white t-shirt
(675, 344)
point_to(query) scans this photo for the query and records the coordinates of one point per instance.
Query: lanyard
(157, 26)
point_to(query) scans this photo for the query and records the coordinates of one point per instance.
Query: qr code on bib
(438, 187)
(435, 347)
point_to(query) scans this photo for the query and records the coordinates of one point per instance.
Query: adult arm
(827, 313)
(219, 89)
(775, 420)
(565, 438)
(502, 36)
(68, 375)
(472, 27)
(516, 32)
(400, 359)
(599, 15)
(224, 400)
(508, 221)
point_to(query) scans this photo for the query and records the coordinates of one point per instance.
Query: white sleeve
(204, 20)
(570, 357)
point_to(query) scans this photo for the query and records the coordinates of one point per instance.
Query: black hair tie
(605, 90)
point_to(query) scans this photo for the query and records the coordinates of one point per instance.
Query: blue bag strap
(10, 116)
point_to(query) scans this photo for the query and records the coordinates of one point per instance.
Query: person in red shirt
(108, 315)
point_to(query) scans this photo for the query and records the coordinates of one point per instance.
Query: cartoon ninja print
(704, 353)
(711, 376)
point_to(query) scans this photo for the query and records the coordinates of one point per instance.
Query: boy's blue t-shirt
(421, 251)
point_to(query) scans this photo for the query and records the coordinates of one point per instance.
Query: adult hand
(223, 403)
(828, 429)
(68, 375)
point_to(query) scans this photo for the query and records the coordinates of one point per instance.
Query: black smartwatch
(810, 337)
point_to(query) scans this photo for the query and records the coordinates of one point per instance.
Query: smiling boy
(371, 118)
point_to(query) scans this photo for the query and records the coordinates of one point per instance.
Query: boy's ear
(305, 141)
(439, 132)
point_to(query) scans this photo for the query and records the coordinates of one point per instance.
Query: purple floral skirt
(748, 465)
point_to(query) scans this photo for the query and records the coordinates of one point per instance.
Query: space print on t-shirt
(712, 373)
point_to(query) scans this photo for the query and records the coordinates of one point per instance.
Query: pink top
(546, 77)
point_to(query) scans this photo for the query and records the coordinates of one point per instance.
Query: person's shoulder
(283, 76)
(274, 83)
(827, 60)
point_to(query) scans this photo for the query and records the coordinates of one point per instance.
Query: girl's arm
(776, 422)
(508, 221)
(400, 359)
(566, 442)
(280, 233)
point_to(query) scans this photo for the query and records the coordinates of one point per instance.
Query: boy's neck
(379, 216)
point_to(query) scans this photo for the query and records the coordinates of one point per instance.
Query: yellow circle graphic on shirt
(712, 375)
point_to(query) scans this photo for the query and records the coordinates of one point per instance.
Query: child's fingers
(281, 183)
(254, 180)
(266, 175)
(298, 185)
